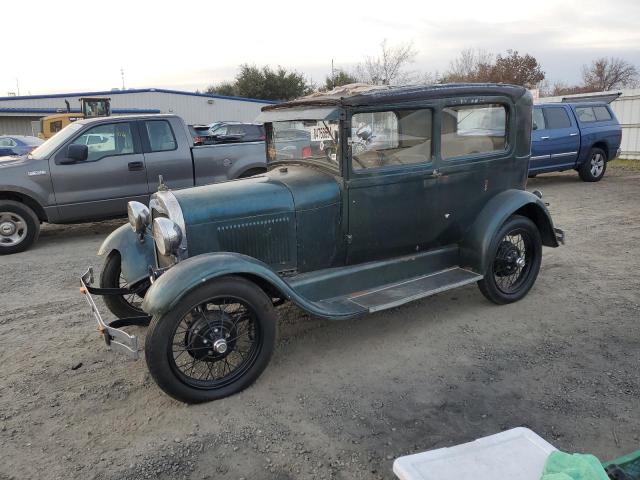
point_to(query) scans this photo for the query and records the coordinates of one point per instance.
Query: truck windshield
(48, 147)
(315, 141)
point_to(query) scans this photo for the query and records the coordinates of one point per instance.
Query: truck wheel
(593, 169)
(214, 343)
(19, 227)
(515, 256)
(122, 306)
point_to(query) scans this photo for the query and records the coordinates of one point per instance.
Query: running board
(396, 294)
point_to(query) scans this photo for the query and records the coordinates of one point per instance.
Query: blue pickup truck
(581, 136)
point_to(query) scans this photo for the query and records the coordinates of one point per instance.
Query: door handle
(544, 138)
(573, 134)
(136, 166)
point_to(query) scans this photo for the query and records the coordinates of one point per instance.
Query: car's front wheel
(214, 343)
(593, 169)
(514, 261)
(19, 227)
(122, 306)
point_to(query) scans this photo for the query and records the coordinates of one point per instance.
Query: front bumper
(115, 338)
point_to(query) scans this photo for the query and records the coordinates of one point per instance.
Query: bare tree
(470, 66)
(516, 69)
(607, 73)
(390, 67)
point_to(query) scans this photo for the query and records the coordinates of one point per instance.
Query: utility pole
(333, 76)
(122, 76)
(18, 86)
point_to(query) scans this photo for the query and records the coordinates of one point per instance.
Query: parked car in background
(581, 136)
(425, 208)
(18, 144)
(92, 168)
(237, 131)
(227, 132)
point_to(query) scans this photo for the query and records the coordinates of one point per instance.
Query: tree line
(392, 66)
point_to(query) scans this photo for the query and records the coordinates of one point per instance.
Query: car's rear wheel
(214, 343)
(19, 227)
(514, 261)
(122, 306)
(593, 169)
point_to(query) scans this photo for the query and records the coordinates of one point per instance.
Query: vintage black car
(416, 196)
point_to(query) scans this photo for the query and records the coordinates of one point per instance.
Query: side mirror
(75, 153)
(534, 126)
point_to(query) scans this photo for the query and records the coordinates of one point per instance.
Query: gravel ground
(339, 399)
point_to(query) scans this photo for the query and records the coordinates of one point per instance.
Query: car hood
(256, 216)
(13, 160)
(281, 190)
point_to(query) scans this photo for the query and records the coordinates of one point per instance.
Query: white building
(21, 115)
(627, 109)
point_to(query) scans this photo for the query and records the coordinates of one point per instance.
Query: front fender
(477, 241)
(136, 256)
(166, 291)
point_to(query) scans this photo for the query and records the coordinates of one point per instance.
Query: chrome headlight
(167, 235)
(139, 216)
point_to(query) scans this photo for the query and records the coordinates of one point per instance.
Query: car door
(392, 191)
(476, 160)
(113, 174)
(540, 152)
(167, 152)
(560, 137)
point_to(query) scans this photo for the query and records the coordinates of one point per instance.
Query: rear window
(556, 118)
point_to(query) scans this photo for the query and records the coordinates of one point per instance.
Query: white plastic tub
(516, 454)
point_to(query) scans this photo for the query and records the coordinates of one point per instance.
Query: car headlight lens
(167, 235)
(139, 216)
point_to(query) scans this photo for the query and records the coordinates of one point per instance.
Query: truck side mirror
(75, 153)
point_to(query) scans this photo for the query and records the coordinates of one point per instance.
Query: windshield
(314, 141)
(48, 147)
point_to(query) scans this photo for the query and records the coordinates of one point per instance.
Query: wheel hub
(7, 229)
(211, 337)
(510, 259)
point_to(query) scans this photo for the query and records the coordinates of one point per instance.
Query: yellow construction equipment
(89, 107)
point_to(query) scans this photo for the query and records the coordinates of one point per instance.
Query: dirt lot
(340, 399)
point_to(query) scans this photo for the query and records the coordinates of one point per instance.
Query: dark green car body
(329, 236)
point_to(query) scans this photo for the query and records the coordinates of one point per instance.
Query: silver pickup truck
(92, 168)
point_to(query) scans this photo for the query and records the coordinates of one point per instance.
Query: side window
(7, 142)
(107, 140)
(55, 126)
(381, 139)
(254, 133)
(585, 114)
(538, 119)
(601, 113)
(556, 118)
(472, 129)
(161, 138)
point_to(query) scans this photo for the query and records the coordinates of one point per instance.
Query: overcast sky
(65, 46)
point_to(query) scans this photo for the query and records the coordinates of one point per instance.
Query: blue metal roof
(134, 90)
(75, 110)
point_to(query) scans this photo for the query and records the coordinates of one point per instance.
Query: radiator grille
(267, 239)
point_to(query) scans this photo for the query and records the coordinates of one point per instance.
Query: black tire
(19, 227)
(503, 256)
(195, 313)
(119, 305)
(592, 170)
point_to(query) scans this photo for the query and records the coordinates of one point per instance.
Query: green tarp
(577, 466)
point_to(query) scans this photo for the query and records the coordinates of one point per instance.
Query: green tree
(340, 77)
(264, 83)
